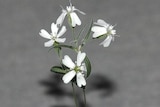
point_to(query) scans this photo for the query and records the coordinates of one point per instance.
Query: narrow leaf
(81, 31)
(58, 49)
(88, 65)
(58, 69)
(88, 34)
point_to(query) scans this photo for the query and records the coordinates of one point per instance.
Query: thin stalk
(75, 40)
(84, 95)
(73, 34)
(75, 100)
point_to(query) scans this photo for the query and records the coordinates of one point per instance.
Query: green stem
(75, 100)
(75, 40)
(73, 34)
(84, 95)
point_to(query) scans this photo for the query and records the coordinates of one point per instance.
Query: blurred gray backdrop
(132, 62)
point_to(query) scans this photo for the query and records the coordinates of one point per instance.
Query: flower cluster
(75, 71)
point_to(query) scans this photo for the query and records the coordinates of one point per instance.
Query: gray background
(132, 61)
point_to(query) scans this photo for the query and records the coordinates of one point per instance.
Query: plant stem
(84, 95)
(75, 100)
(75, 40)
(73, 34)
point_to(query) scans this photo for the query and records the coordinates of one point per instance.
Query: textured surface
(132, 62)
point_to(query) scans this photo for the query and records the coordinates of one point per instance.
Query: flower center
(77, 69)
(69, 9)
(109, 32)
(53, 37)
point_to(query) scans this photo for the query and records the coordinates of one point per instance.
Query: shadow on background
(55, 88)
(101, 83)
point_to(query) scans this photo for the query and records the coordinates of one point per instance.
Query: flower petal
(54, 29)
(45, 34)
(107, 41)
(68, 76)
(99, 29)
(68, 62)
(60, 40)
(49, 43)
(75, 19)
(102, 23)
(80, 58)
(80, 80)
(97, 34)
(62, 31)
(60, 19)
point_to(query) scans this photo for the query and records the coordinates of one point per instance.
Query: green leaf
(58, 51)
(88, 34)
(88, 65)
(58, 69)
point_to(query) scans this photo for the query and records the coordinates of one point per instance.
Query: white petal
(60, 19)
(68, 76)
(62, 31)
(49, 43)
(97, 34)
(80, 80)
(80, 58)
(60, 40)
(75, 19)
(45, 34)
(102, 23)
(107, 41)
(68, 62)
(99, 29)
(54, 29)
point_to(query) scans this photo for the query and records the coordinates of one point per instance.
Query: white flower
(76, 69)
(70, 12)
(104, 29)
(54, 36)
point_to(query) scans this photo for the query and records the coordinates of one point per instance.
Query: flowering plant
(77, 71)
